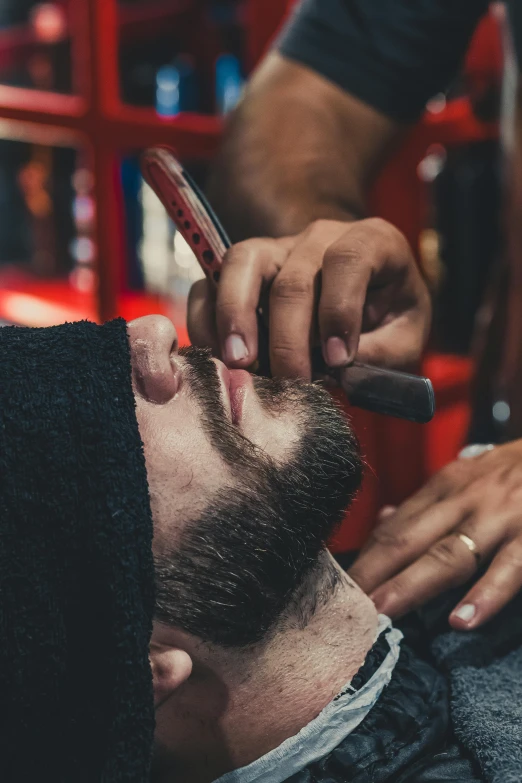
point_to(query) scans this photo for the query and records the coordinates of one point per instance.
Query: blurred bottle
(168, 91)
(166, 266)
(176, 87)
(229, 83)
(82, 248)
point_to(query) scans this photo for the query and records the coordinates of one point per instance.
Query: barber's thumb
(201, 316)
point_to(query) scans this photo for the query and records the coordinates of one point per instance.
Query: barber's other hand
(355, 283)
(414, 554)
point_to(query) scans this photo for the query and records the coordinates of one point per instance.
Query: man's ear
(171, 667)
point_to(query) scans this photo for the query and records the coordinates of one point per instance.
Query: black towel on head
(76, 570)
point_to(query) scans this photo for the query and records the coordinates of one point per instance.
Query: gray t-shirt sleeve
(392, 54)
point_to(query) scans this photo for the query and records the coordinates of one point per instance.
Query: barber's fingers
(247, 267)
(436, 509)
(293, 300)
(403, 537)
(501, 583)
(448, 563)
(201, 314)
(347, 270)
(370, 284)
(292, 305)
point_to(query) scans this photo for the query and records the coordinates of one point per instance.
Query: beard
(234, 572)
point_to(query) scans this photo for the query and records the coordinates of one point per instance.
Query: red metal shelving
(95, 116)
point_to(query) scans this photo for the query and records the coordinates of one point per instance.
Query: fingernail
(235, 348)
(336, 352)
(466, 612)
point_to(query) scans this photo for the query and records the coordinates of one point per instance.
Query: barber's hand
(415, 552)
(356, 284)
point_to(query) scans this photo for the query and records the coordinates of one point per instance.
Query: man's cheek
(276, 435)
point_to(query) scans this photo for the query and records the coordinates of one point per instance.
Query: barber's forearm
(296, 150)
(268, 186)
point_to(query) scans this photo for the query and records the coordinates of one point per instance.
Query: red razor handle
(187, 208)
(197, 223)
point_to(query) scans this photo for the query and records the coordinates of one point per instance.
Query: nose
(154, 344)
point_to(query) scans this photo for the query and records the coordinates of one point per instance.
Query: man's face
(247, 479)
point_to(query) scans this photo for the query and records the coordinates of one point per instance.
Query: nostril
(177, 373)
(158, 385)
(154, 341)
(175, 345)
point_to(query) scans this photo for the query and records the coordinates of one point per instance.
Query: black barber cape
(76, 571)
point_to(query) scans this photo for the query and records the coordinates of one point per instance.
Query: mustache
(239, 453)
(319, 418)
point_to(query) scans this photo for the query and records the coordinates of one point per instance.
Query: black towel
(76, 570)
(484, 668)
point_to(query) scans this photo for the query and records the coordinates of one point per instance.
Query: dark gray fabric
(485, 675)
(76, 571)
(392, 54)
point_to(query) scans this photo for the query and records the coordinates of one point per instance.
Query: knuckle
(513, 480)
(292, 288)
(289, 362)
(515, 494)
(320, 226)
(449, 471)
(385, 536)
(246, 252)
(402, 589)
(337, 312)
(381, 226)
(513, 557)
(453, 474)
(317, 232)
(228, 311)
(323, 229)
(500, 487)
(284, 354)
(344, 256)
(445, 554)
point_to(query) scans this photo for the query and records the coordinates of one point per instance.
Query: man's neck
(237, 706)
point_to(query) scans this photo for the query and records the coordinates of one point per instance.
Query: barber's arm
(319, 117)
(295, 165)
(299, 148)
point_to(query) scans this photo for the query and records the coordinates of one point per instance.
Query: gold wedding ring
(473, 548)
